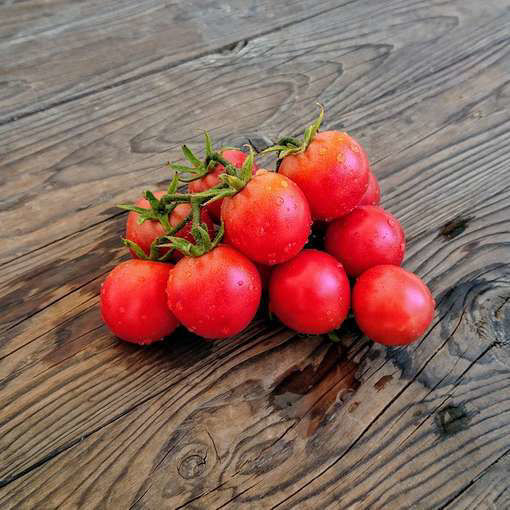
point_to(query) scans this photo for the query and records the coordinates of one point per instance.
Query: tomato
(145, 233)
(366, 237)
(332, 172)
(268, 220)
(215, 295)
(372, 195)
(234, 156)
(310, 293)
(392, 306)
(133, 301)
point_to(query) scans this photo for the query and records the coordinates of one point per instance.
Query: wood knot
(452, 419)
(455, 227)
(192, 466)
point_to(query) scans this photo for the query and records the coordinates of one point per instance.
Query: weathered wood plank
(489, 490)
(54, 51)
(150, 417)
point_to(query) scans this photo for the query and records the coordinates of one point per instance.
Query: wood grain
(269, 419)
(52, 52)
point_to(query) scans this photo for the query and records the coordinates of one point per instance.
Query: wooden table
(94, 97)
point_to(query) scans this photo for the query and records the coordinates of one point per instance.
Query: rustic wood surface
(94, 98)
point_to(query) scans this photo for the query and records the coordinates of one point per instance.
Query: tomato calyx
(230, 184)
(232, 181)
(203, 243)
(159, 210)
(200, 168)
(289, 145)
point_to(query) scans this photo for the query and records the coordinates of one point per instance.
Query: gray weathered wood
(269, 419)
(52, 52)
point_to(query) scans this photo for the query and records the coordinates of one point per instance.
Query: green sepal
(208, 146)
(188, 154)
(143, 213)
(247, 168)
(153, 201)
(172, 187)
(181, 168)
(288, 145)
(133, 246)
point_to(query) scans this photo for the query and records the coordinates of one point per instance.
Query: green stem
(174, 230)
(289, 140)
(229, 168)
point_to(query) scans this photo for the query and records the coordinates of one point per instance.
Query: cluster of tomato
(203, 257)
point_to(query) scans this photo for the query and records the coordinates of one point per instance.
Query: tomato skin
(332, 173)
(368, 236)
(234, 156)
(268, 220)
(310, 293)
(133, 301)
(372, 195)
(391, 305)
(144, 234)
(215, 295)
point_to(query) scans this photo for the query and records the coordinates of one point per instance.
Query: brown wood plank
(188, 420)
(54, 51)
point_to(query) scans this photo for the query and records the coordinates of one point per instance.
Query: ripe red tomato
(368, 236)
(133, 301)
(332, 173)
(310, 293)
(391, 305)
(372, 195)
(215, 295)
(234, 156)
(268, 220)
(145, 233)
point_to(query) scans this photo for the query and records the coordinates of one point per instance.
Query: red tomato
(268, 220)
(133, 301)
(215, 295)
(144, 233)
(234, 156)
(368, 236)
(332, 173)
(310, 293)
(391, 305)
(372, 195)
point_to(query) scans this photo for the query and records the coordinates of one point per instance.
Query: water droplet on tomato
(240, 283)
(391, 222)
(279, 201)
(285, 184)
